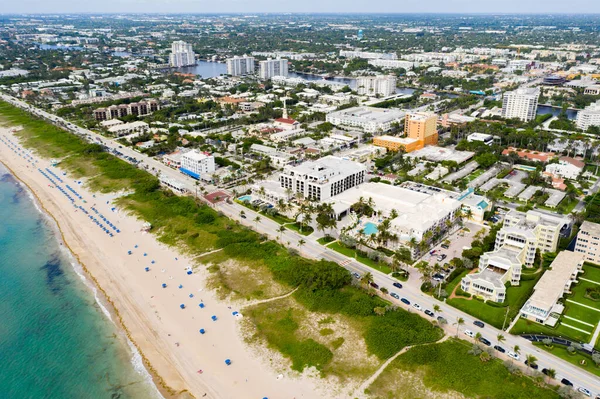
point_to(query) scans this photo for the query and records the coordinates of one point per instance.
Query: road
(411, 291)
(312, 249)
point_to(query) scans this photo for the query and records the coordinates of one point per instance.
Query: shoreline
(149, 315)
(100, 295)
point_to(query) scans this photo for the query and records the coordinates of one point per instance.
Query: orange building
(421, 126)
(392, 143)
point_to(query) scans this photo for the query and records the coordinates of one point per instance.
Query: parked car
(445, 246)
(441, 320)
(545, 371)
(397, 285)
(479, 324)
(485, 341)
(417, 306)
(469, 333)
(499, 349)
(564, 381)
(438, 277)
(514, 355)
(429, 313)
(356, 275)
(405, 301)
(243, 216)
(374, 285)
(394, 295)
(585, 391)
(532, 365)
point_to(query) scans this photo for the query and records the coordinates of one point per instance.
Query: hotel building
(196, 164)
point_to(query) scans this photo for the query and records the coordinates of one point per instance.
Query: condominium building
(393, 64)
(270, 68)
(196, 164)
(588, 117)
(145, 107)
(376, 85)
(516, 244)
(521, 104)
(393, 143)
(238, 66)
(421, 126)
(369, 119)
(128, 128)
(543, 306)
(182, 54)
(368, 55)
(588, 241)
(322, 179)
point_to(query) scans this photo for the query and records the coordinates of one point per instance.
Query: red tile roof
(285, 120)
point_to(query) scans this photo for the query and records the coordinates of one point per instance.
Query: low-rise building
(141, 108)
(393, 143)
(474, 206)
(588, 241)
(567, 168)
(369, 119)
(197, 164)
(127, 128)
(486, 139)
(543, 306)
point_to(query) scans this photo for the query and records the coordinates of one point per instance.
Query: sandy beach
(182, 361)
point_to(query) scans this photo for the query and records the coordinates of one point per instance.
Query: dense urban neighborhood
(382, 166)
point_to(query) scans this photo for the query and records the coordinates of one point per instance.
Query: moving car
(564, 381)
(499, 349)
(397, 285)
(469, 333)
(514, 355)
(585, 391)
(394, 295)
(405, 301)
(485, 341)
(429, 313)
(417, 306)
(356, 275)
(479, 324)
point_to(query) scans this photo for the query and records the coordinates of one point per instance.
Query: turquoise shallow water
(55, 339)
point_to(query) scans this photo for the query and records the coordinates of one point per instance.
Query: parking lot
(458, 242)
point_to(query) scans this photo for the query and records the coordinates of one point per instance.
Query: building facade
(588, 117)
(369, 119)
(182, 54)
(376, 85)
(239, 66)
(392, 143)
(322, 179)
(145, 107)
(588, 241)
(196, 164)
(521, 104)
(270, 68)
(421, 126)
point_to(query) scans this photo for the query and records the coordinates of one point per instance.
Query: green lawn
(325, 240)
(336, 246)
(450, 285)
(515, 298)
(449, 367)
(530, 327)
(575, 359)
(591, 272)
(305, 230)
(474, 175)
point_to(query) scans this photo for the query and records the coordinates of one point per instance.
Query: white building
(588, 241)
(543, 306)
(270, 68)
(393, 64)
(182, 54)
(521, 236)
(487, 139)
(374, 85)
(521, 104)
(368, 55)
(590, 116)
(369, 119)
(238, 66)
(323, 178)
(127, 128)
(567, 168)
(197, 164)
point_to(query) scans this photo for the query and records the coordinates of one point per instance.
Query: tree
(551, 373)
(257, 221)
(516, 350)
(500, 339)
(437, 309)
(459, 322)
(301, 242)
(366, 279)
(531, 361)
(379, 310)
(384, 290)
(280, 230)
(242, 214)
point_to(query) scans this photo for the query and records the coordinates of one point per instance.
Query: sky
(300, 6)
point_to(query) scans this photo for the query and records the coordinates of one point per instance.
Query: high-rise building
(182, 54)
(270, 68)
(521, 104)
(421, 126)
(374, 85)
(588, 241)
(238, 66)
(588, 117)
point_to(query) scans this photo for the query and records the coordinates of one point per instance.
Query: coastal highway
(411, 291)
(312, 249)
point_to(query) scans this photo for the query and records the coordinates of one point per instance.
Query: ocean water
(56, 339)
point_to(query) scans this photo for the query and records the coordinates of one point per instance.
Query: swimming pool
(245, 198)
(370, 228)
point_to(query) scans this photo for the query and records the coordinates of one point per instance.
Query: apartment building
(145, 107)
(588, 241)
(369, 119)
(376, 85)
(369, 55)
(196, 164)
(543, 306)
(322, 179)
(392, 143)
(182, 54)
(128, 128)
(521, 104)
(421, 126)
(270, 68)
(393, 64)
(239, 66)
(522, 234)
(588, 117)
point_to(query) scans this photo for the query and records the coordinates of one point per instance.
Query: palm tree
(551, 373)
(280, 230)
(516, 350)
(242, 213)
(459, 322)
(478, 336)
(366, 279)
(301, 242)
(437, 309)
(531, 361)
(500, 338)
(257, 220)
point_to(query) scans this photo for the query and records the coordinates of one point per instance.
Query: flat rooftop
(592, 228)
(369, 114)
(394, 139)
(324, 168)
(439, 154)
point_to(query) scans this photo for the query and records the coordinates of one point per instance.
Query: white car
(417, 306)
(469, 333)
(513, 355)
(585, 391)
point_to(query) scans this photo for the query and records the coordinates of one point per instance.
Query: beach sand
(167, 336)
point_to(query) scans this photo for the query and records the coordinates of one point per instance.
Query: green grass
(474, 175)
(304, 230)
(591, 272)
(450, 285)
(351, 253)
(523, 326)
(448, 366)
(325, 240)
(515, 298)
(575, 359)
